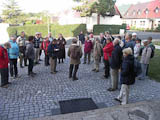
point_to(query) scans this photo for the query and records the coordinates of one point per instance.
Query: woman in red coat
(4, 64)
(44, 47)
(107, 51)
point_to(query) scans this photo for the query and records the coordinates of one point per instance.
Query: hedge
(66, 30)
(113, 29)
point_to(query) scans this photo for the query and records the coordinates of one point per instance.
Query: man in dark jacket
(127, 76)
(129, 42)
(115, 64)
(53, 50)
(30, 55)
(82, 37)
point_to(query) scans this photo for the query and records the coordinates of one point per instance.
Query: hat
(145, 41)
(134, 34)
(37, 33)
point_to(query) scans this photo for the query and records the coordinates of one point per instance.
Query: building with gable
(143, 15)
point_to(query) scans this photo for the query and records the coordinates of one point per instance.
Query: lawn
(154, 67)
(156, 42)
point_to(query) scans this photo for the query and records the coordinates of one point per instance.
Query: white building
(72, 17)
(143, 15)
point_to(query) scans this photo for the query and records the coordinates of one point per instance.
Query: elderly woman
(97, 54)
(107, 51)
(127, 76)
(4, 64)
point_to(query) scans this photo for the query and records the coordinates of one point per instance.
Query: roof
(138, 11)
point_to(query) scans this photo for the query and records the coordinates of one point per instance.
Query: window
(142, 23)
(134, 12)
(156, 10)
(158, 22)
(139, 12)
(146, 11)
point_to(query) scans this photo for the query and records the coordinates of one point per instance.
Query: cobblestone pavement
(27, 98)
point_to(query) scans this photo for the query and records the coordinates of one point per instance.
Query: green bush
(113, 29)
(158, 28)
(66, 30)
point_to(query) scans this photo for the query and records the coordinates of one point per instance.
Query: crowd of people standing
(121, 57)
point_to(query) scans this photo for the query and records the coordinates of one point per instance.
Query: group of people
(28, 52)
(118, 56)
(124, 59)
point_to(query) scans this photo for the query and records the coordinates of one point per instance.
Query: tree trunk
(98, 19)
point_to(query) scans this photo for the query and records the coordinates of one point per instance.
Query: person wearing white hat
(145, 58)
(134, 36)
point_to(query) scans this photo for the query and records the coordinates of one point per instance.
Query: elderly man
(36, 43)
(116, 60)
(129, 42)
(145, 58)
(21, 40)
(13, 54)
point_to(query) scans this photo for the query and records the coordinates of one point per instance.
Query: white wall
(138, 24)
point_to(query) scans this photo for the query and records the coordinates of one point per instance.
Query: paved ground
(27, 98)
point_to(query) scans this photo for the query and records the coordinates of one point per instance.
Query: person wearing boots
(4, 64)
(75, 53)
(30, 55)
(21, 40)
(53, 51)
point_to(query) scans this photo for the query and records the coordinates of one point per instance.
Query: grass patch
(154, 67)
(156, 43)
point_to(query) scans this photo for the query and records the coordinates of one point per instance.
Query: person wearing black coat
(81, 37)
(127, 76)
(115, 64)
(53, 52)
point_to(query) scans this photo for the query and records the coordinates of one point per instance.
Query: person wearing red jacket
(107, 51)
(88, 46)
(44, 47)
(4, 60)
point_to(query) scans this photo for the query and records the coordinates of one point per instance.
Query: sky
(55, 6)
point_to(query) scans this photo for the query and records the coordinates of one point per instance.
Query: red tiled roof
(138, 11)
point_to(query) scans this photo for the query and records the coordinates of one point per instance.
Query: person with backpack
(53, 51)
(30, 55)
(75, 53)
(127, 76)
(44, 47)
(21, 40)
(145, 58)
(4, 60)
(153, 50)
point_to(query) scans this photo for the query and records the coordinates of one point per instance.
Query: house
(71, 16)
(143, 15)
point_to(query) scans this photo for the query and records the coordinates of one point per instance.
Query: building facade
(143, 15)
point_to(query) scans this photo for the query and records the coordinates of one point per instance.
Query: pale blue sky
(56, 5)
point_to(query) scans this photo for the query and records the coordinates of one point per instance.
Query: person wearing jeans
(145, 58)
(30, 54)
(13, 53)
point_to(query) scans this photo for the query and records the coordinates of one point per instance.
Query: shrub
(113, 29)
(66, 30)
